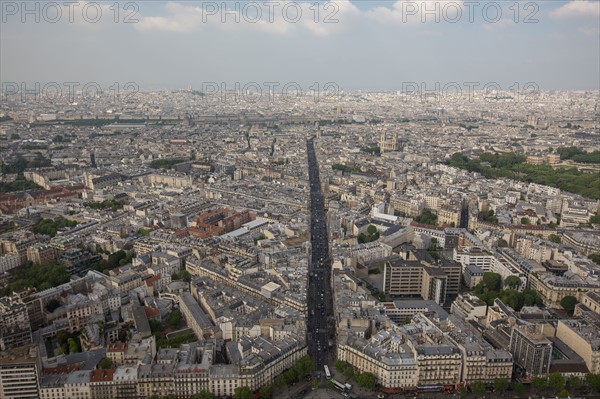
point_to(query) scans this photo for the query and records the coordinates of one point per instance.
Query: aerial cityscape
(194, 205)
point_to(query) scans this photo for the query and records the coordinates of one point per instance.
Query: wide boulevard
(320, 303)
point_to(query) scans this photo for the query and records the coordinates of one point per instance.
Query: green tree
(155, 326)
(512, 282)
(164, 163)
(185, 276)
(512, 166)
(539, 383)
(518, 387)
(267, 391)
(62, 336)
(73, 346)
(489, 216)
(478, 388)
(203, 395)
(512, 298)
(366, 380)
(340, 365)
(304, 365)
(40, 276)
(174, 319)
(291, 376)
(554, 238)
(427, 217)
(531, 298)
(362, 238)
(434, 243)
(105, 363)
(501, 385)
(493, 281)
(50, 227)
(371, 229)
(593, 381)
(568, 303)
(279, 382)
(556, 381)
(573, 383)
(595, 258)
(525, 220)
(563, 393)
(242, 393)
(502, 243)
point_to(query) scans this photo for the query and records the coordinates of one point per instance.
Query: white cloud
(577, 8)
(503, 23)
(180, 18)
(590, 31)
(288, 16)
(420, 12)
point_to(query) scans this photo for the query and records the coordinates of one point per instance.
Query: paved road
(320, 301)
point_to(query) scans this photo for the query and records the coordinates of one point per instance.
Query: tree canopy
(568, 303)
(203, 395)
(478, 388)
(539, 383)
(366, 380)
(554, 238)
(427, 217)
(556, 381)
(501, 385)
(512, 282)
(579, 155)
(242, 393)
(50, 227)
(105, 363)
(492, 281)
(42, 276)
(513, 166)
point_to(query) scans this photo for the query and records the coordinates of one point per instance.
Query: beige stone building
(583, 337)
(391, 361)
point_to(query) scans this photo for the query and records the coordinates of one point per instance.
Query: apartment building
(474, 256)
(40, 253)
(15, 329)
(438, 364)
(386, 356)
(196, 318)
(469, 307)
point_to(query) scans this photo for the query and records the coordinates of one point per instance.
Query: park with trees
(513, 166)
(492, 287)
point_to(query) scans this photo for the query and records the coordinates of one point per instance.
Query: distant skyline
(375, 45)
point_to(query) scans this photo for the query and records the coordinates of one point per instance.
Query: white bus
(339, 385)
(327, 373)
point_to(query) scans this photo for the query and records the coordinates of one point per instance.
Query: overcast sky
(370, 45)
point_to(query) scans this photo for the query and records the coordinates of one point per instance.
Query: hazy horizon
(373, 46)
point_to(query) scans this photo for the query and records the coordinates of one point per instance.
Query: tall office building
(414, 277)
(531, 349)
(19, 373)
